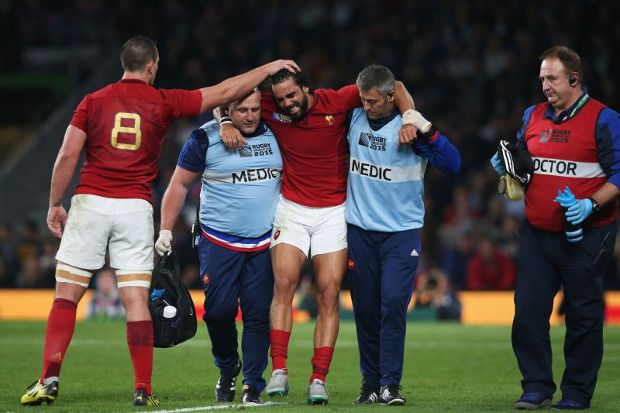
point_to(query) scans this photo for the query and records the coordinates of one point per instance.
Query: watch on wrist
(595, 206)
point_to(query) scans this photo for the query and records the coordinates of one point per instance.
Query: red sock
(279, 348)
(140, 342)
(320, 362)
(58, 334)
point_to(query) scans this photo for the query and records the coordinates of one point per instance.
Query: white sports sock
(49, 380)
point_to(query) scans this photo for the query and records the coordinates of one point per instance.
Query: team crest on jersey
(329, 119)
(371, 141)
(259, 149)
(205, 279)
(554, 135)
(281, 118)
(351, 264)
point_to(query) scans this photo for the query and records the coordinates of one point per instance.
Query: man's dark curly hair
(300, 78)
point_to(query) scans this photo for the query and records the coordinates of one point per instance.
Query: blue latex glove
(498, 165)
(565, 198)
(577, 209)
(580, 210)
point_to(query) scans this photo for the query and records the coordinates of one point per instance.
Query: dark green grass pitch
(448, 368)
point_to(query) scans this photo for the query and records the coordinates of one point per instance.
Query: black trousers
(547, 262)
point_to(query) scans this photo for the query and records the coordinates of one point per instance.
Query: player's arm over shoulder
(181, 102)
(347, 98)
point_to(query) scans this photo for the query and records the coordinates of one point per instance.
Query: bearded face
(291, 98)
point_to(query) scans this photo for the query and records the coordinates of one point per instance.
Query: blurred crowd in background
(471, 67)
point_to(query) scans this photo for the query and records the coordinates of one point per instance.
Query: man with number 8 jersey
(121, 130)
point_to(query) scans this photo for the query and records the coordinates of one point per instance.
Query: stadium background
(471, 67)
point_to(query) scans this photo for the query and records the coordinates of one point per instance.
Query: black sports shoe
(368, 394)
(142, 398)
(227, 384)
(251, 395)
(390, 395)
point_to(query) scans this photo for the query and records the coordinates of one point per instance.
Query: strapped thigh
(71, 275)
(133, 278)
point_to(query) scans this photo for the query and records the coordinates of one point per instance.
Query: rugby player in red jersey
(310, 127)
(121, 129)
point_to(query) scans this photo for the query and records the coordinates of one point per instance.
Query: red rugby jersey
(125, 123)
(314, 149)
(565, 154)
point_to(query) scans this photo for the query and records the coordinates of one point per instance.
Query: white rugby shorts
(95, 223)
(314, 230)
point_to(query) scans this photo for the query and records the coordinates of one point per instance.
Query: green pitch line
(218, 407)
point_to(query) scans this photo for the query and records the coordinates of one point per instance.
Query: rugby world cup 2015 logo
(364, 139)
(245, 151)
(544, 135)
(260, 149)
(281, 118)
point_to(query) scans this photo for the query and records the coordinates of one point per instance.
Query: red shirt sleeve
(182, 103)
(349, 97)
(80, 115)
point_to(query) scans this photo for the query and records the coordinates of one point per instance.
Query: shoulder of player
(104, 91)
(121, 89)
(92, 100)
(329, 101)
(325, 94)
(146, 90)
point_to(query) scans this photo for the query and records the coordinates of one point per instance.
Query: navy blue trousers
(547, 262)
(231, 279)
(382, 270)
